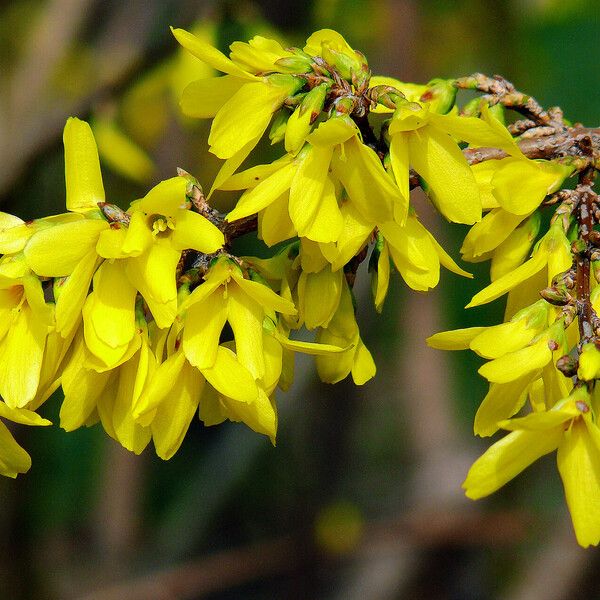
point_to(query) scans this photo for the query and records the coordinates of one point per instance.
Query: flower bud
(298, 125)
(556, 296)
(567, 365)
(441, 95)
(344, 63)
(294, 64)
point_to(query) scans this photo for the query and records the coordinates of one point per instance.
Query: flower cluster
(145, 316)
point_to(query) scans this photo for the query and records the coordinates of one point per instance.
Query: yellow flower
(95, 392)
(310, 185)
(25, 321)
(342, 331)
(226, 295)
(552, 255)
(241, 102)
(161, 227)
(416, 254)
(13, 458)
(424, 139)
(570, 427)
(522, 352)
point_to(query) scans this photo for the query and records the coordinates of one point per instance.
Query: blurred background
(361, 497)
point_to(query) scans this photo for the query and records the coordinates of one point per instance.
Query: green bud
(441, 94)
(386, 95)
(294, 64)
(556, 296)
(472, 108)
(291, 83)
(343, 106)
(344, 63)
(497, 110)
(278, 127)
(299, 124)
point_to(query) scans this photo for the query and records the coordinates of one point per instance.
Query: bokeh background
(361, 497)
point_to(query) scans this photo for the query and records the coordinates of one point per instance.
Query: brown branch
(235, 567)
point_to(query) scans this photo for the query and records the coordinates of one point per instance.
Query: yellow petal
(507, 458)
(264, 193)
(502, 401)
(55, 251)
(196, 232)
(231, 378)
(510, 280)
(13, 459)
(515, 364)
(203, 325)
(173, 416)
(439, 160)
(274, 223)
(112, 314)
(73, 293)
(22, 415)
(165, 198)
(244, 117)
(82, 167)
(265, 296)
(489, 233)
(245, 316)
(457, 339)
(521, 185)
(21, 357)
(363, 367)
(204, 98)
(208, 54)
(579, 467)
(320, 296)
(369, 187)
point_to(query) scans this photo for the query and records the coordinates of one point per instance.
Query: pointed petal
(265, 296)
(194, 231)
(160, 386)
(501, 402)
(244, 117)
(246, 316)
(73, 293)
(13, 459)
(209, 55)
(230, 378)
(457, 339)
(515, 364)
(82, 167)
(439, 160)
(264, 193)
(203, 98)
(203, 325)
(507, 458)
(174, 416)
(55, 251)
(579, 467)
(510, 280)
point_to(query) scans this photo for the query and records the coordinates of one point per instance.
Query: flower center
(161, 225)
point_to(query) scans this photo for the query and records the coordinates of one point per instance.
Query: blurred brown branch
(284, 555)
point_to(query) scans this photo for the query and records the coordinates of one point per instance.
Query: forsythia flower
(569, 427)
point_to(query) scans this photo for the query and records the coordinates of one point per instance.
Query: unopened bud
(556, 296)
(294, 64)
(441, 94)
(578, 247)
(567, 365)
(594, 237)
(345, 64)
